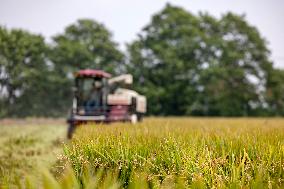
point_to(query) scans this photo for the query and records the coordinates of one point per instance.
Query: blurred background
(199, 58)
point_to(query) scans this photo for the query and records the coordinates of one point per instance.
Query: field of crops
(157, 153)
(27, 147)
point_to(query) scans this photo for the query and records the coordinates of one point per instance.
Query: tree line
(185, 64)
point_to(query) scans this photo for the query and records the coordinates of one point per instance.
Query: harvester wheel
(133, 118)
(71, 130)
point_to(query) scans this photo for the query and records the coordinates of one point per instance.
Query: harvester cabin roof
(92, 73)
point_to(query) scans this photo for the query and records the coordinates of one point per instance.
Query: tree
(237, 66)
(85, 44)
(23, 71)
(164, 54)
(185, 64)
(199, 65)
(274, 93)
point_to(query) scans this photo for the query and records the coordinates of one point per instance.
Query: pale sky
(125, 18)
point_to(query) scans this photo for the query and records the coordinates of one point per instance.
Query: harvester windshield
(90, 92)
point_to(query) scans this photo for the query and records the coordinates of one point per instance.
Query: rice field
(167, 153)
(27, 147)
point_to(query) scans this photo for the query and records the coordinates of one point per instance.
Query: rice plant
(157, 153)
(213, 153)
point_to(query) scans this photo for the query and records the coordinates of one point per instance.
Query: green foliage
(36, 79)
(23, 73)
(275, 91)
(85, 44)
(185, 64)
(199, 65)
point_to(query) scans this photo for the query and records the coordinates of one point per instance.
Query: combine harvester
(100, 98)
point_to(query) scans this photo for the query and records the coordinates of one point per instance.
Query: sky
(126, 18)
